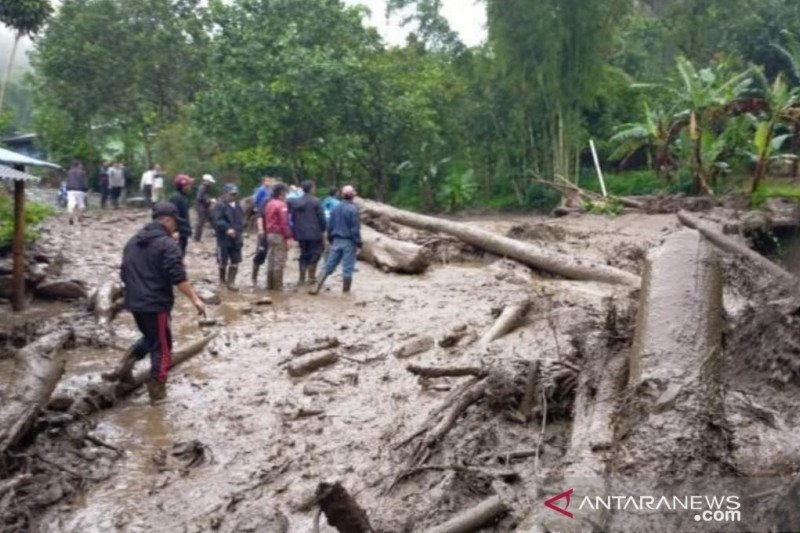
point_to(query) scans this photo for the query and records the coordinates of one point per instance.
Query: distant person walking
(116, 183)
(344, 234)
(229, 225)
(261, 197)
(151, 266)
(103, 183)
(158, 183)
(146, 184)
(180, 200)
(77, 184)
(279, 235)
(203, 206)
(308, 227)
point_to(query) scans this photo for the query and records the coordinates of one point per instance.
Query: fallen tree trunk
(103, 395)
(37, 369)
(306, 364)
(473, 519)
(443, 372)
(526, 253)
(391, 255)
(672, 429)
(510, 318)
(729, 245)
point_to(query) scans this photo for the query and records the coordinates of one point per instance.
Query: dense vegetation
(702, 92)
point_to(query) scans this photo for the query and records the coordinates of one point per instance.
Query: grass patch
(34, 213)
(775, 190)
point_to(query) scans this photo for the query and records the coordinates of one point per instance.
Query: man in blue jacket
(151, 266)
(344, 234)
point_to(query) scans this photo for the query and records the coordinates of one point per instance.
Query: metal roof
(7, 157)
(12, 174)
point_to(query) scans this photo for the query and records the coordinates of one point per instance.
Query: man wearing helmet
(229, 224)
(180, 200)
(344, 234)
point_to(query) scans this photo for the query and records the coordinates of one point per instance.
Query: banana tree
(655, 134)
(781, 107)
(789, 52)
(706, 96)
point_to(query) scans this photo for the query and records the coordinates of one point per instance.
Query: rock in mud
(341, 509)
(306, 364)
(60, 290)
(263, 301)
(415, 346)
(319, 344)
(136, 201)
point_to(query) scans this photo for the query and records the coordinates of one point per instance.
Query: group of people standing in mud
(154, 259)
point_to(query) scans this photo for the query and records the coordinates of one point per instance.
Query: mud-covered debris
(316, 345)
(415, 346)
(537, 232)
(183, 456)
(263, 301)
(209, 296)
(60, 290)
(454, 336)
(341, 509)
(306, 364)
(207, 322)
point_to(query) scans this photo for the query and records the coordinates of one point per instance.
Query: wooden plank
(18, 247)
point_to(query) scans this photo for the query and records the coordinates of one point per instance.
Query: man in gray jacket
(116, 182)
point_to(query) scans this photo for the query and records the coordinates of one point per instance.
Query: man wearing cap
(203, 206)
(180, 200)
(151, 265)
(229, 224)
(344, 234)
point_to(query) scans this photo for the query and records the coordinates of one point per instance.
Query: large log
(105, 394)
(473, 519)
(672, 429)
(392, 255)
(527, 253)
(729, 245)
(37, 369)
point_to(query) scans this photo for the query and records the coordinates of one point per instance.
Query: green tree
(25, 17)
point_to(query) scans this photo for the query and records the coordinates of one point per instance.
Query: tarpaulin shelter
(12, 167)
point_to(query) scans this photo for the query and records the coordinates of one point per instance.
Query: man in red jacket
(279, 234)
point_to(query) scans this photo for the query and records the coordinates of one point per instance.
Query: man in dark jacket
(151, 266)
(229, 225)
(180, 200)
(308, 223)
(203, 206)
(77, 185)
(344, 234)
(102, 182)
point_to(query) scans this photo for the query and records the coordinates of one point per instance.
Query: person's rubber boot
(232, 272)
(255, 275)
(157, 391)
(222, 275)
(123, 372)
(312, 274)
(279, 280)
(346, 284)
(270, 280)
(302, 280)
(318, 288)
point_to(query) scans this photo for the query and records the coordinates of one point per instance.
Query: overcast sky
(467, 17)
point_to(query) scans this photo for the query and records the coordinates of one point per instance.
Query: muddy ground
(257, 442)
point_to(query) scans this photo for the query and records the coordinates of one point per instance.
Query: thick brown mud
(242, 446)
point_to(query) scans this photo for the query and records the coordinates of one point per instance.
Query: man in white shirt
(147, 184)
(158, 184)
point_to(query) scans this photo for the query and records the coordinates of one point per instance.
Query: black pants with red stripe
(156, 340)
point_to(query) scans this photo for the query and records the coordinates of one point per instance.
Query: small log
(105, 394)
(511, 316)
(309, 363)
(727, 244)
(473, 519)
(37, 369)
(415, 346)
(392, 255)
(529, 254)
(443, 372)
(317, 345)
(13, 483)
(341, 509)
(60, 290)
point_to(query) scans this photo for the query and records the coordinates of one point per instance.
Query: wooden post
(18, 246)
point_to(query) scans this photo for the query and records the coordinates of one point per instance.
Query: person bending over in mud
(151, 265)
(229, 224)
(344, 234)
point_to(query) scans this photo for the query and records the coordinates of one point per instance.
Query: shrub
(34, 213)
